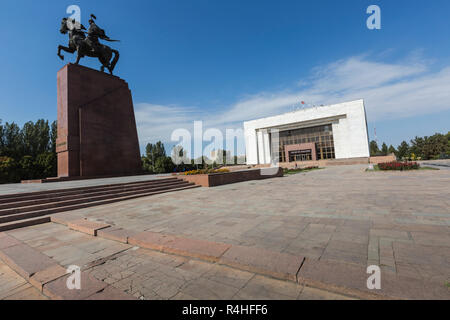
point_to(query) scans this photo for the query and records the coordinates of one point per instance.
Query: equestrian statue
(87, 44)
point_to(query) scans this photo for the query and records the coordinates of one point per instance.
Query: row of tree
(28, 152)
(419, 148)
(156, 160)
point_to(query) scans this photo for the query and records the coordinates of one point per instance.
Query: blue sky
(226, 61)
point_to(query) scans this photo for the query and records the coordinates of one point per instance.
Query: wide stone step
(15, 211)
(21, 206)
(24, 223)
(43, 216)
(50, 193)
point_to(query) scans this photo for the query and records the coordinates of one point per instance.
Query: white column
(266, 141)
(260, 139)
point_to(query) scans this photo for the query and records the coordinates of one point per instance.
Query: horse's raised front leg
(66, 49)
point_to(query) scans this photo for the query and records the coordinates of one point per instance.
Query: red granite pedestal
(97, 133)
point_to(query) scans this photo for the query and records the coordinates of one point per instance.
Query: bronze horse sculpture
(84, 48)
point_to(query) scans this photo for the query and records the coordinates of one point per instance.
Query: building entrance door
(300, 155)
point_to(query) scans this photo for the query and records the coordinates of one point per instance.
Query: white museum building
(336, 131)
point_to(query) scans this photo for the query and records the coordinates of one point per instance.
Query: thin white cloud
(390, 91)
(156, 122)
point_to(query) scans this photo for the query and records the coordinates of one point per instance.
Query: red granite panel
(96, 125)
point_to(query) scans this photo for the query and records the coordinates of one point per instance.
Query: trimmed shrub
(205, 171)
(399, 165)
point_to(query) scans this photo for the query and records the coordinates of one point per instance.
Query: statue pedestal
(97, 133)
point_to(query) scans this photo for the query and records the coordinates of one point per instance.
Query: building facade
(319, 133)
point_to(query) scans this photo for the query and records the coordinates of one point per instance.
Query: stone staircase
(26, 209)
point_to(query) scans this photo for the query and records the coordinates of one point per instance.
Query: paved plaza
(338, 219)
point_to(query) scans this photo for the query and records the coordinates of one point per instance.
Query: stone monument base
(97, 133)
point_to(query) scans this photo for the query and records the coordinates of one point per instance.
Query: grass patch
(299, 170)
(428, 168)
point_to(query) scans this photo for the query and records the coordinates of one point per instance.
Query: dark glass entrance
(321, 136)
(300, 155)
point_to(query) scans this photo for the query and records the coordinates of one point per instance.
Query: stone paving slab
(26, 292)
(58, 290)
(348, 278)
(352, 278)
(7, 241)
(14, 287)
(25, 260)
(110, 293)
(309, 293)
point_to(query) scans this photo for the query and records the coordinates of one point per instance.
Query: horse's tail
(115, 60)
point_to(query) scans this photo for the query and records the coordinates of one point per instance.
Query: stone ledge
(64, 218)
(206, 250)
(86, 226)
(218, 179)
(200, 249)
(40, 278)
(116, 234)
(262, 261)
(275, 264)
(151, 240)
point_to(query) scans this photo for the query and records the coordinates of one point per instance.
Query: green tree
(156, 160)
(373, 147)
(417, 145)
(154, 152)
(9, 170)
(2, 142)
(384, 149)
(53, 136)
(163, 165)
(36, 138)
(435, 146)
(46, 165)
(403, 150)
(392, 149)
(12, 137)
(146, 165)
(447, 148)
(27, 168)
